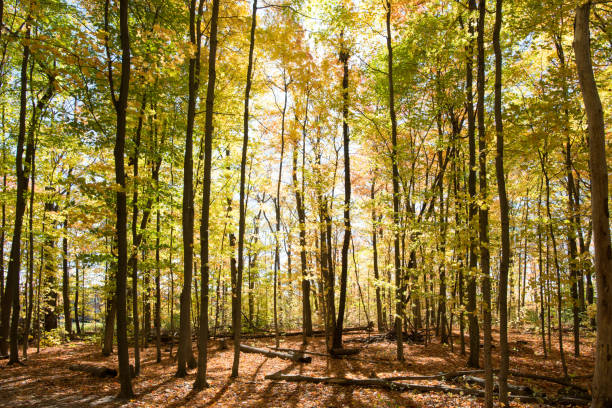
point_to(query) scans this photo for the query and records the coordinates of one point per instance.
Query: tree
(237, 298)
(602, 378)
(11, 293)
(483, 212)
(185, 354)
(120, 103)
(396, 199)
(344, 57)
(504, 260)
(204, 226)
(473, 259)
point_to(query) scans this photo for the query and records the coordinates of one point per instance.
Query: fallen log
(298, 357)
(314, 353)
(398, 386)
(315, 333)
(440, 376)
(266, 335)
(96, 371)
(373, 383)
(560, 381)
(512, 373)
(514, 389)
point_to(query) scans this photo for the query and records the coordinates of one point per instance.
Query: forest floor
(46, 381)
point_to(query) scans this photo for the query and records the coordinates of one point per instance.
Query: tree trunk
(11, 292)
(76, 296)
(399, 296)
(111, 313)
(133, 262)
(504, 261)
(556, 260)
(120, 105)
(185, 353)
(65, 271)
(483, 212)
(571, 216)
(602, 379)
(473, 360)
(242, 209)
(2, 234)
(277, 211)
(542, 279)
(337, 341)
(301, 210)
(380, 321)
(30, 276)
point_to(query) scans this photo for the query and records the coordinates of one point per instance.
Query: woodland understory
(305, 203)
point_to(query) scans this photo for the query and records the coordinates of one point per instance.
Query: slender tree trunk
(30, 281)
(2, 233)
(473, 359)
(242, 210)
(337, 341)
(120, 104)
(483, 212)
(602, 378)
(200, 381)
(556, 260)
(571, 227)
(504, 261)
(396, 221)
(11, 293)
(582, 248)
(380, 321)
(65, 271)
(277, 211)
(133, 261)
(301, 210)
(185, 353)
(146, 303)
(76, 296)
(540, 269)
(441, 320)
(111, 305)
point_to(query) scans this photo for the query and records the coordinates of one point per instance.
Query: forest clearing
(309, 203)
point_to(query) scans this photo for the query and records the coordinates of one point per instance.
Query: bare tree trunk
(602, 378)
(66, 272)
(76, 296)
(185, 352)
(2, 233)
(11, 293)
(571, 227)
(344, 57)
(237, 300)
(301, 210)
(133, 261)
(483, 212)
(120, 105)
(396, 191)
(556, 260)
(504, 261)
(30, 278)
(473, 207)
(542, 279)
(200, 381)
(111, 308)
(380, 322)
